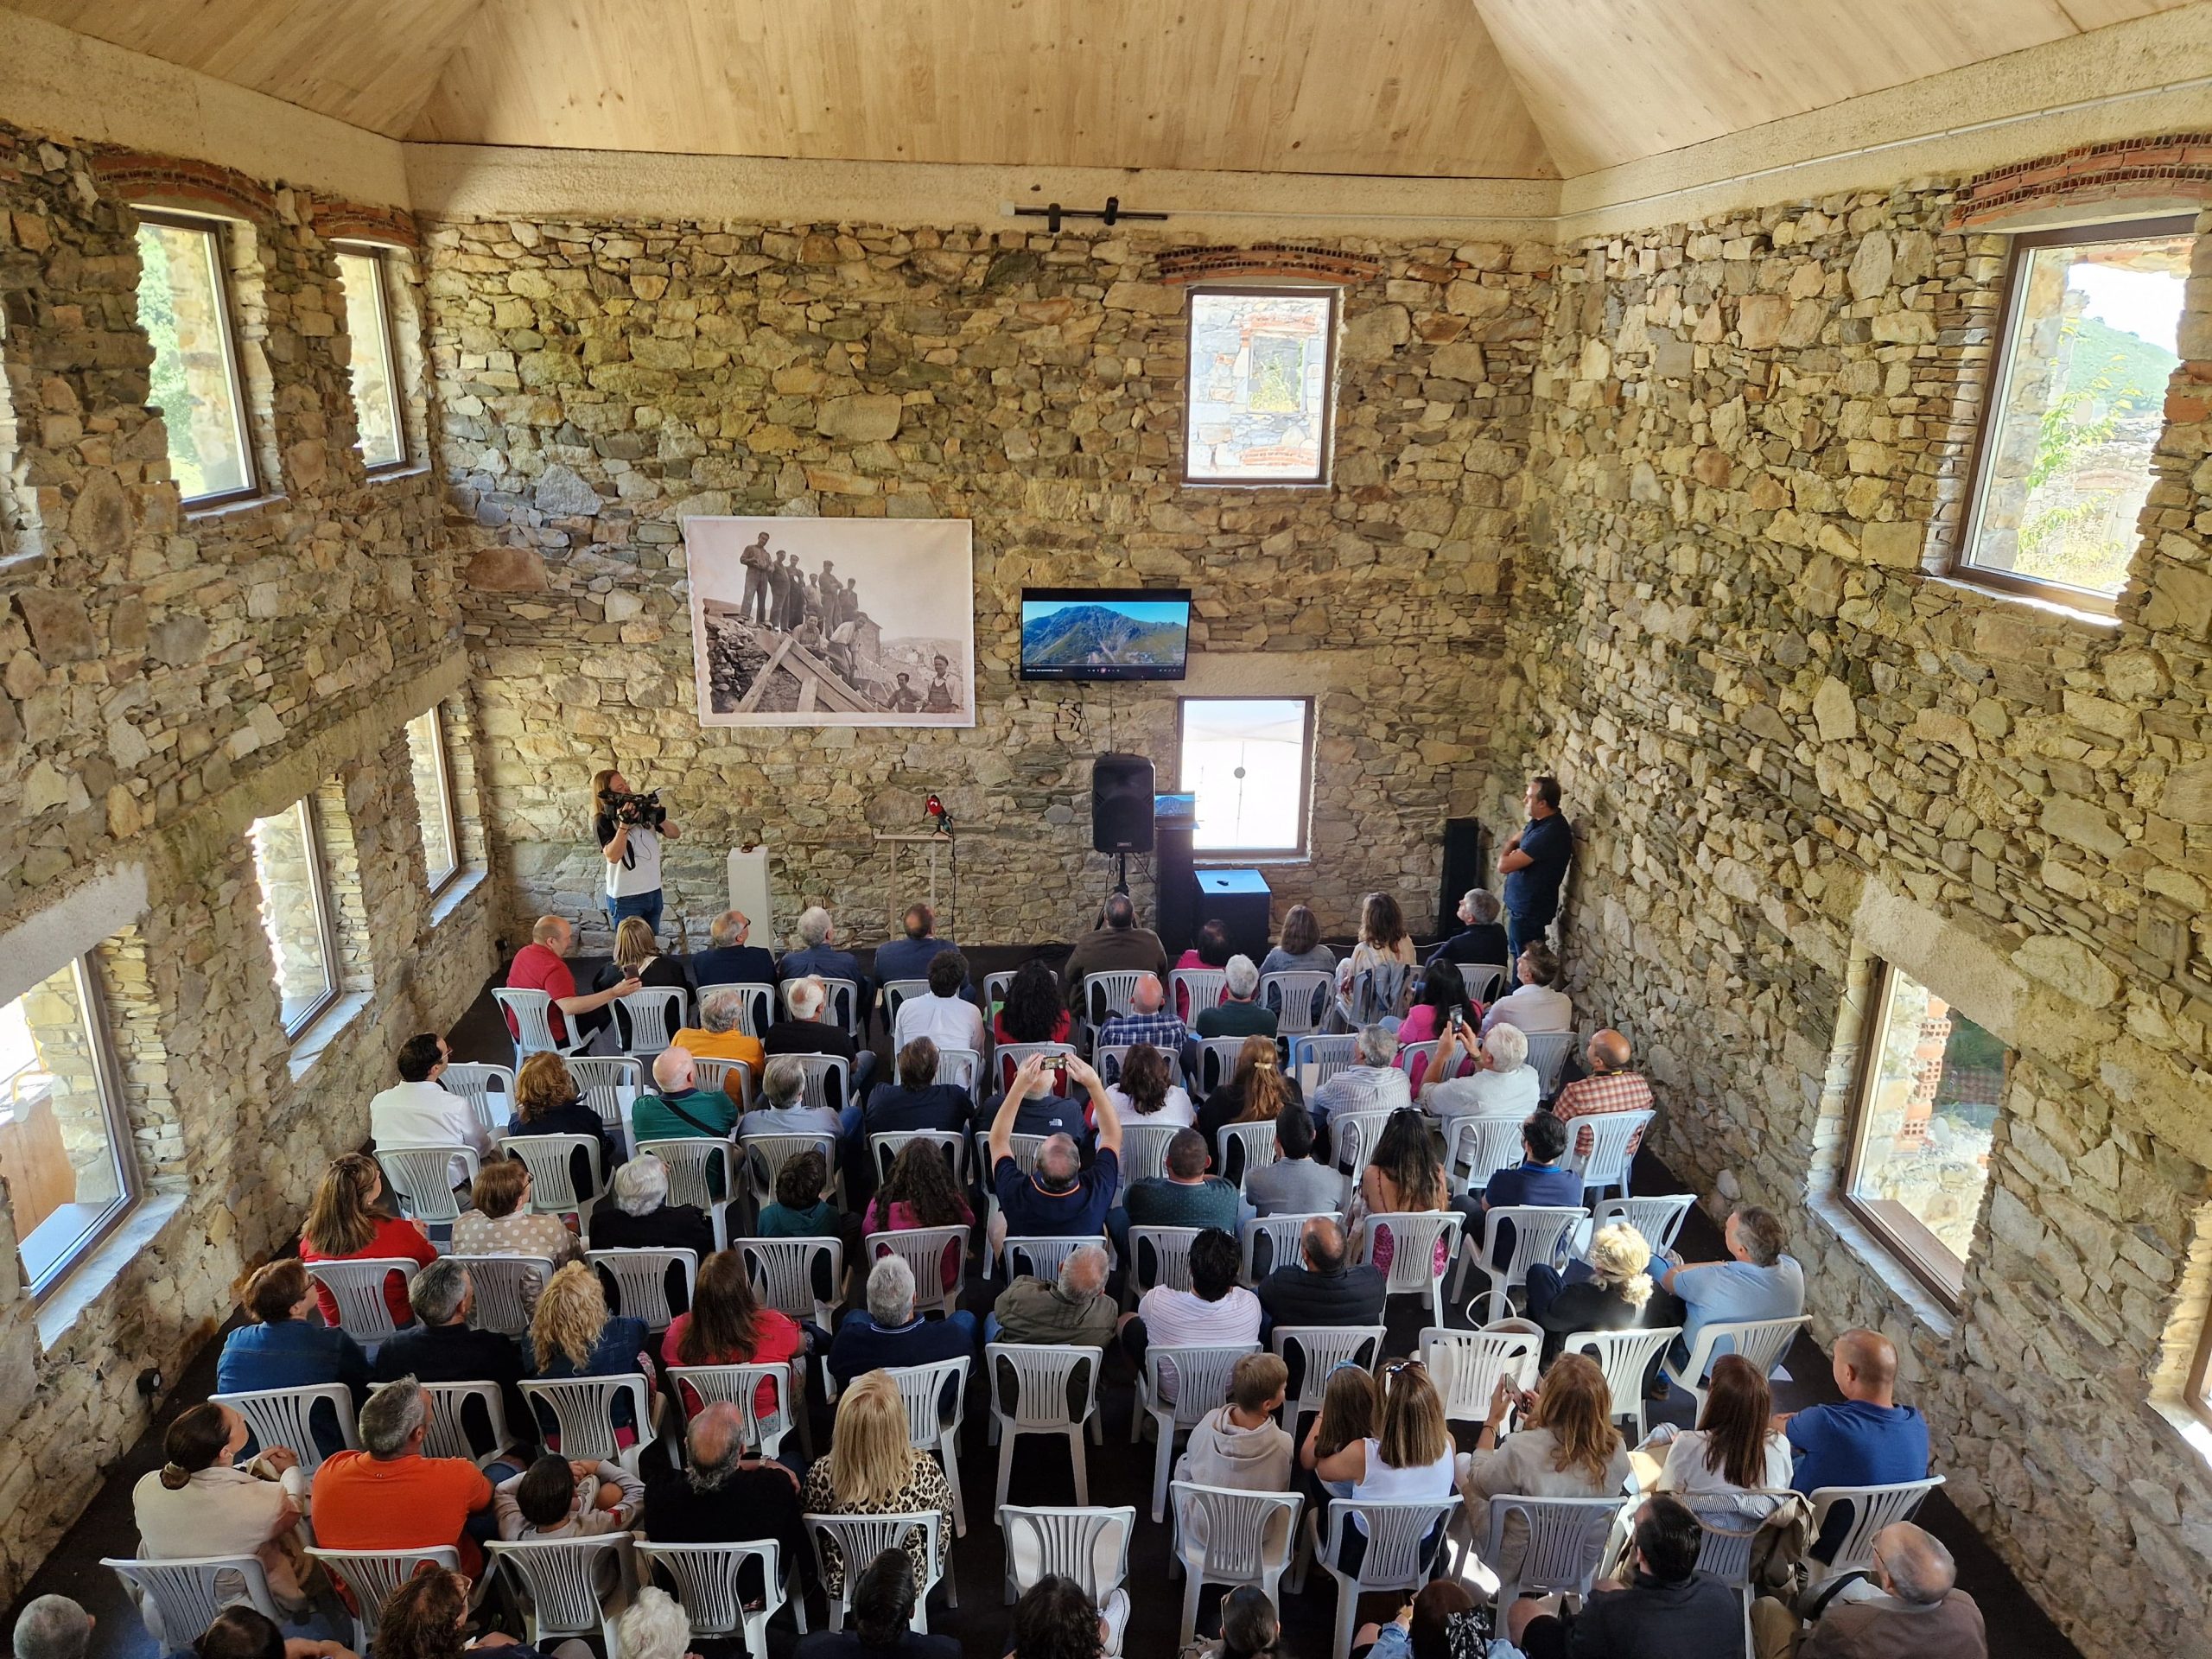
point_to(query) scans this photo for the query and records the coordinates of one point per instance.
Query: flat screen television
(1102, 633)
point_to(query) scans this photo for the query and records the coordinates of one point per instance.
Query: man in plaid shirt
(1371, 1084)
(1148, 1021)
(1611, 1087)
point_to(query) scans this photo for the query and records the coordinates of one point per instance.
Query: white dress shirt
(948, 1021)
(1533, 1008)
(425, 1115)
(1485, 1093)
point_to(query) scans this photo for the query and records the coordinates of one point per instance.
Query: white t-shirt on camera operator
(639, 868)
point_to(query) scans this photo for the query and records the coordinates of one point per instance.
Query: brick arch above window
(175, 182)
(2124, 177)
(1267, 261)
(354, 221)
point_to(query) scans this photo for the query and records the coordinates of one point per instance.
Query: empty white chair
(1872, 1508)
(1216, 1061)
(1420, 1245)
(1089, 1546)
(1228, 1535)
(1352, 1136)
(856, 1540)
(1547, 1052)
(1038, 1376)
(552, 1180)
(1764, 1342)
(1398, 1557)
(803, 1277)
(422, 1179)
(1300, 998)
(556, 1582)
(962, 1068)
(1537, 1230)
(1465, 1365)
(886, 1145)
(766, 1155)
(756, 1007)
(927, 1250)
(697, 1386)
(372, 1575)
(1316, 1058)
(1564, 1548)
(507, 1289)
(1312, 1352)
(583, 1414)
(1280, 1237)
(610, 1083)
(842, 1008)
(640, 1280)
(184, 1596)
(1159, 1256)
(1416, 1060)
(1192, 991)
(357, 1287)
(731, 1077)
(1178, 1385)
(1608, 1162)
(489, 1090)
(1624, 1356)
(1110, 992)
(285, 1417)
(709, 1588)
(528, 1015)
(1476, 1147)
(1659, 1219)
(650, 1018)
(935, 1398)
(1243, 1147)
(1040, 1258)
(1008, 1058)
(896, 991)
(1481, 978)
(452, 1406)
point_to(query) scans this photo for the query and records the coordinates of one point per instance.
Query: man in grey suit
(1294, 1185)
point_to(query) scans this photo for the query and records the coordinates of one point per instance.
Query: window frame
(2198, 1396)
(1303, 852)
(441, 755)
(1335, 296)
(380, 256)
(1959, 564)
(326, 920)
(217, 230)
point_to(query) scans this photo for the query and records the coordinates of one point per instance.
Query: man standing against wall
(1533, 864)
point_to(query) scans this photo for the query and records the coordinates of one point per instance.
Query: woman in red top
(347, 1222)
(726, 1325)
(1032, 1011)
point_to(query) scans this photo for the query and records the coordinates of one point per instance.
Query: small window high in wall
(433, 771)
(382, 437)
(2075, 406)
(1261, 386)
(1250, 762)
(296, 911)
(184, 307)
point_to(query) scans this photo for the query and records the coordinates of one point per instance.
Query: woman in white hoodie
(1240, 1444)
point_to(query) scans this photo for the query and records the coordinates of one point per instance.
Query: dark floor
(1119, 1474)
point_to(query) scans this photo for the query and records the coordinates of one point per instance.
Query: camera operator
(630, 828)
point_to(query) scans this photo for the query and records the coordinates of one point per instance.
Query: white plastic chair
(1414, 1238)
(1659, 1219)
(1872, 1508)
(1216, 1061)
(783, 1271)
(358, 1286)
(894, 992)
(708, 1589)
(1089, 1546)
(1537, 1230)
(1008, 1058)
(282, 1417)
(756, 1003)
(924, 1250)
(1225, 1535)
(1144, 1154)
(448, 1435)
(962, 1068)
(740, 1386)
(1110, 992)
(1040, 1373)
(859, 1539)
(1548, 1054)
(1198, 1377)
(1465, 1365)
(552, 1182)
(1243, 1147)
(556, 1582)
(639, 1277)
(1319, 1349)
(933, 1427)
(421, 1178)
(185, 1595)
(1476, 1147)
(693, 1165)
(651, 1017)
(489, 1090)
(507, 1288)
(1481, 979)
(1325, 1055)
(829, 1081)
(766, 1155)
(1624, 1356)
(1609, 1159)
(1731, 1522)
(1396, 1557)
(731, 1077)
(1300, 998)
(1376, 992)
(372, 1576)
(844, 1003)
(1159, 1256)
(1023, 1149)
(584, 1415)
(1352, 1136)
(533, 1026)
(610, 1083)
(1565, 1547)
(1041, 1257)
(1284, 1235)
(1764, 1342)
(1192, 991)
(887, 1145)
(1418, 1062)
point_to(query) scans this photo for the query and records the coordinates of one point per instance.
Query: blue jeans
(1522, 931)
(646, 905)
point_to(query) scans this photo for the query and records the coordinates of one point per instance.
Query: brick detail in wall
(335, 220)
(2132, 169)
(131, 174)
(1265, 260)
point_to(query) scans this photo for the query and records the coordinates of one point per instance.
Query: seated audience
(572, 1334)
(920, 1191)
(1403, 1176)
(420, 1111)
(53, 1627)
(1047, 1104)
(1734, 1448)
(1567, 1446)
(1533, 1005)
(1372, 1083)
(945, 1017)
(1211, 949)
(427, 1616)
(1503, 1083)
(782, 1108)
(721, 1033)
(637, 1216)
(811, 1028)
(1238, 1014)
(1056, 1618)
(1294, 1183)
(1438, 1623)
(872, 1469)
(1298, 948)
(237, 1631)
(1183, 1196)
(801, 1207)
(916, 1099)
(280, 1348)
(541, 965)
(883, 1615)
(726, 1325)
(818, 956)
(1240, 1444)
(1350, 1407)
(1609, 1087)
(676, 1108)
(1072, 1309)
(1481, 939)
(888, 1333)
(637, 958)
(1370, 981)
(1536, 1179)
(729, 959)
(724, 1495)
(1215, 1313)
(1256, 1090)
(1032, 1011)
(1060, 1198)
(1116, 946)
(548, 1101)
(1669, 1608)
(1410, 1457)
(1865, 1439)
(910, 958)
(501, 1222)
(202, 1501)
(1147, 1021)
(556, 1498)
(348, 1221)
(1323, 1288)
(1607, 1293)
(1759, 1281)
(446, 1348)
(1909, 1607)
(1440, 994)
(1146, 1090)
(389, 1496)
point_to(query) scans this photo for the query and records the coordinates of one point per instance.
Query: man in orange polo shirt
(390, 1497)
(720, 1035)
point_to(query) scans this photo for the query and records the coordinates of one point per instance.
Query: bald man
(1323, 1287)
(1868, 1440)
(726, 1495)
(542, 965)
(676, 1108)
(1611, 1087)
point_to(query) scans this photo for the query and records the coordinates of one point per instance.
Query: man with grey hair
(729, 960)
(889, 1333)
(818, 956)
(721, 1033)
(1238, 1014)
(641, 1217)
(1059, 1198)
(389, 1496)
(653, 1626)
(1480, 941)
(676, 1108)
(810, 1027)
(1371, 1084)
(724, 1494)
(1908, 1607)
(1072, 1309)
(1503, 1083)
(782, 1108)
(446, 1348)
(53, 1627)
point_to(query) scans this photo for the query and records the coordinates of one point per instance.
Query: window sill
(1260, 486)
(2194, 1433)
(394, 474)
(219, 510)
(67, 1303)
(318, 1034)
(2056, 610)
(458, 888)
(1245, 861)
(1873, 1253)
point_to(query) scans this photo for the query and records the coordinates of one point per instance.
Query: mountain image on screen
(1079, 636)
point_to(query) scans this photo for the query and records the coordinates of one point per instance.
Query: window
(196, 384)
(426, 751)
(382, 439)
(64, 1143)
(1930, 1081)
(1248, 762)
(2075, 408)
(296, 911)
(1262, 370)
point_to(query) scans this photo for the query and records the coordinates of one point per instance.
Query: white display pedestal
(748, 888)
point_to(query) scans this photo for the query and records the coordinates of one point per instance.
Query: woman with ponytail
(200, 1502)
(1257, 1091)
(349, 1220)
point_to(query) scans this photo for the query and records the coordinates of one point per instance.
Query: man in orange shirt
(390, 1497)
(720, 1035)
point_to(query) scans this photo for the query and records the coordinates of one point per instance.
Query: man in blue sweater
(1533, 863)
(1865, 1439)
(889, 1333)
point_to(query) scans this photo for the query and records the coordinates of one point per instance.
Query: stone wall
(1787, 752)
(600, 382)
(167, 678)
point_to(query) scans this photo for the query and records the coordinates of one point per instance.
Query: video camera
(644, 809)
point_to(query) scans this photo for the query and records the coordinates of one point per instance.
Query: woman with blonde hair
(1565, 1447)
(630, 833)
(637, 956)
(1257, 1091)
(1409, 1457)
(1607, 1296)
(571, 1334)
(501, 1223)
(348, 1221)
(872, 1469)
(548, 1102)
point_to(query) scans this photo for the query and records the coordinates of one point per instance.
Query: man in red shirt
(1611, 1087)
(539, 966)
(390, 1497)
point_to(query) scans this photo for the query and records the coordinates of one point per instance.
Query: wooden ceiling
(1409, 88)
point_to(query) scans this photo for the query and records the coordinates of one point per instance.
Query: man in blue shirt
(889, 1333)
(910, 958)
(1868, 1440)
(731, 961)
(1059, 1198)
(1533, 863)
(1536, 1179)
(1757, 1282)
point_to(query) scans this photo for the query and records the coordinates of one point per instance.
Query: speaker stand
(1122, 874)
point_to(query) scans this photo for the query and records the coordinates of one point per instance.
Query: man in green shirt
(676, 1108)
(1238, 1014)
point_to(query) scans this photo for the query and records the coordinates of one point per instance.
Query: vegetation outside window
(296, 911)
(1250, 762)
(185, 311)
(381, 438)
(2075, 407)
(1262, 373)
(65, 1142)
(426, 751)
